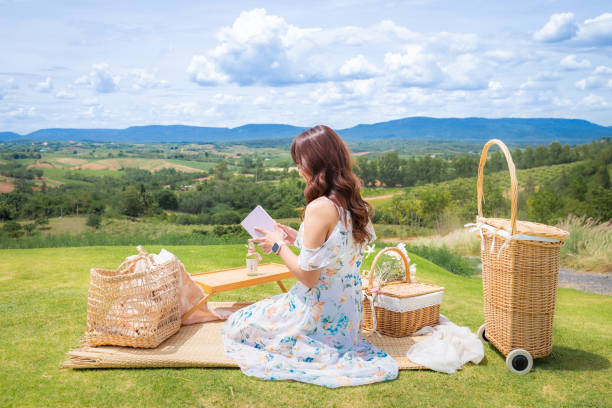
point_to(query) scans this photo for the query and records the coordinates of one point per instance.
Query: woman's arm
(317, 220)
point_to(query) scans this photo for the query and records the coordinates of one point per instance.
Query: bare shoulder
(322, 209)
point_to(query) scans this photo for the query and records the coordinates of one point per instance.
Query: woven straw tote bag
(399, 308)
(520, 268)
(135, 305)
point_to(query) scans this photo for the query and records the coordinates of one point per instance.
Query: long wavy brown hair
(323, 155)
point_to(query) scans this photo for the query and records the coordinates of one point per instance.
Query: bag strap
(128, 264)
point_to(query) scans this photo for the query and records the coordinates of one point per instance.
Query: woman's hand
(267, 241)
(291, 234)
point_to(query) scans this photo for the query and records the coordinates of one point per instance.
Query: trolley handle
(513, 182)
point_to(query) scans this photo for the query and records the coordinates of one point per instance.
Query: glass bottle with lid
(252, 259)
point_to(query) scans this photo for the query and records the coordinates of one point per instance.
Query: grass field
(43, 300)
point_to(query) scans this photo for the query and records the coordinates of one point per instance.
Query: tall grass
(92, 238)
(589, 246)
(445, 258)
(461, 241)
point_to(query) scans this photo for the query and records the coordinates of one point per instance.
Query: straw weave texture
(201, 345)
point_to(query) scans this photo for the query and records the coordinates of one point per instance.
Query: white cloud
(222, 99)
(62, 94)
(465, 72)
(45, 86)
(92, 112)
(561, 102)
(257, 48)
(260, 100)
(596, 31)
(500, 55)
(414, 67)
(143, 79)
(345, 94)
(22, 113)
(358, 68)
(204, 72)
(100, 79)
(560, 27)
(593, 32)
(594, 101)
(571, 62)
(601, 77)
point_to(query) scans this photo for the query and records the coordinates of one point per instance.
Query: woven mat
(200, 345)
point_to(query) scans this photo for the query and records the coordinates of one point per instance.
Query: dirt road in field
(379, 197)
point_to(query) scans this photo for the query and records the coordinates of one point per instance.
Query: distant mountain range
(510, 130)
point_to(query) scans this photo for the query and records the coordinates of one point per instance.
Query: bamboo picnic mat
(200, 345)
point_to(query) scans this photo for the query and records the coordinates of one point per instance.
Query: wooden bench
(235, 278)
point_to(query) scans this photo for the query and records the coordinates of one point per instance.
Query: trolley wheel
(481, 335)
(519, 361)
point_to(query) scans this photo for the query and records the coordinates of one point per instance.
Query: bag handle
(388, 249)
(513, 182)
(129, 263)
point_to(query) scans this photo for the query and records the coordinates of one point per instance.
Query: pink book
(258, 218)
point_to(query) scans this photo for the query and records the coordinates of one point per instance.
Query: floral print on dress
(312, 335)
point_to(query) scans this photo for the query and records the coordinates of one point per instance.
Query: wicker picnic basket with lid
(520, 268)
(135, 305)
(399, 308)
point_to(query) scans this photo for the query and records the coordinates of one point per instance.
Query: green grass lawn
(43, 304)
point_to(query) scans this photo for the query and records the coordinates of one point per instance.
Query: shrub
(94, 220)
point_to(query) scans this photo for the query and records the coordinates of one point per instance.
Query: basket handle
(394, 249)
(513, 182)
(129, 263)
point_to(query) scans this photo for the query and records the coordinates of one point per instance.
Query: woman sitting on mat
(312, 333)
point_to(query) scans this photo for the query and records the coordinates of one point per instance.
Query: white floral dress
(312, 335)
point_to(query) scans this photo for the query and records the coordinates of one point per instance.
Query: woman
(313, 332)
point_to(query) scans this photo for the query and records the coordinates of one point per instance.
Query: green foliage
(445, 258)
(131, 203)
(94, 220)
(12, 229)
(166, 199)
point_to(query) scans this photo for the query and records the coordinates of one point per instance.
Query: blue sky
(209, 63)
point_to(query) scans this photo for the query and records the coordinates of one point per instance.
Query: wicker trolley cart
(520, 269)
(399, 308)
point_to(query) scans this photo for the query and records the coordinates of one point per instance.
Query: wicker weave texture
(399, 324)
(520, 290)
(135, 305)
(519, 281)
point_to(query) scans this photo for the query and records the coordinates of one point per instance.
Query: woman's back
(336, 298)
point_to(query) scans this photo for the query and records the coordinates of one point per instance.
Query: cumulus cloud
(596, 31)
(571, 62)
(559, 27)
(343, 94)
(143, 79)
(257, 48)
(465, 72)
(100, 79)
(594, 101)
(414, 67)
(358, 68)
(601, 77)
(204, 72)
(45, 86)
